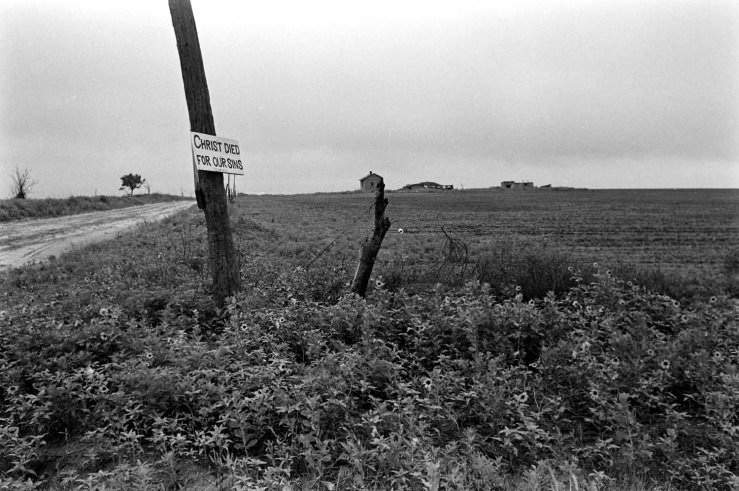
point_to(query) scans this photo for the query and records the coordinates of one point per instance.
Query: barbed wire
(344, 232)
(454, 250)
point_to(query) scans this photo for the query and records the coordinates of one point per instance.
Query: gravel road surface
(35, 240)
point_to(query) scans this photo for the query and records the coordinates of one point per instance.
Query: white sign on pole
(215, 154)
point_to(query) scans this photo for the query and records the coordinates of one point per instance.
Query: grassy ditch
(21, 209)
(117, 372)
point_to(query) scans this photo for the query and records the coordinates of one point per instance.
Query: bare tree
(21, 183)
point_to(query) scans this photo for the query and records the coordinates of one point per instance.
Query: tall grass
(530, 269)
(534, 270)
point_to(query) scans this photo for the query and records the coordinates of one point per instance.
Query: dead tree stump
(371, 245)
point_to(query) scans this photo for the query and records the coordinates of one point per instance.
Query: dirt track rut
(35, 240)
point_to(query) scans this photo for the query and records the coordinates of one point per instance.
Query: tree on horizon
(132, 182)
(21, 183)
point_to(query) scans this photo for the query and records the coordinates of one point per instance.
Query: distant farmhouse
(516, 185)
(369, 182)
(428, 186)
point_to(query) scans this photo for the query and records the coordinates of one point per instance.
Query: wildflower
(718, 356)
(585, 346)
(103, 336)
(675, 303)
(243, 327)
(650, 352)
(629, 283)
(594, 393)
(104, 389)
(104, 312)
(12, 389)
(149, 355)
(379, 284)
(522, 398)
(400, 230)
(576, 304)
(518, 298)
(665, 365)
(599, 476)
(595, 265)
(531, 302)
(616, 361)
(713, 299)
(89, 371)
(622, 301)
(574, 353)
(608, 273)
(683, 318)
(570, 269)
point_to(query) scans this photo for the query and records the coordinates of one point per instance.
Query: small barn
(369, 182)
(517, 185)
(428, 185)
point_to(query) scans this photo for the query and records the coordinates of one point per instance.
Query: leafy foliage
(131, 182)
(128, 375)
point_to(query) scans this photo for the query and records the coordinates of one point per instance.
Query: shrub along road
(36, 240)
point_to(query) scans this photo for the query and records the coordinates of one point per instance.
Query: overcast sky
(579, 93)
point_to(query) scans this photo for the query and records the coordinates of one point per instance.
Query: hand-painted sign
(215, 154)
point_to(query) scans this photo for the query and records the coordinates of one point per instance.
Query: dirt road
(36, 240)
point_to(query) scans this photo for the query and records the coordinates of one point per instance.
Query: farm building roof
(370, 175)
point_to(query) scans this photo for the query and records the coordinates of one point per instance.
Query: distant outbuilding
(517, 185)
(369, 182)
(427, 185)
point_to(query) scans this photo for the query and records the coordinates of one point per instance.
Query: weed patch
(130, 378)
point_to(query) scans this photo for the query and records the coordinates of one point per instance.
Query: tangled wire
(454, 250)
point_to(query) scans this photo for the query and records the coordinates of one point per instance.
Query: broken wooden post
(371, 245)
(209, 191)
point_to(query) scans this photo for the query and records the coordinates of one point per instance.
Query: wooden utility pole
(209, 191)
(371, 245)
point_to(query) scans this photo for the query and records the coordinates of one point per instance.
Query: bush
(535, 270)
